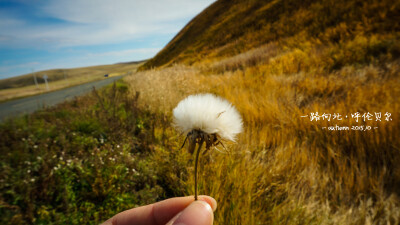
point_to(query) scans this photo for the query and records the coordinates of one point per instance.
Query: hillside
(24, 85)
(227, 28)
(60, 74)
(317, 84)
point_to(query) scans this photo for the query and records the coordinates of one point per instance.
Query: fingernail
(197, 213)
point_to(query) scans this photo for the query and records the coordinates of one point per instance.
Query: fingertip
(197, 213)
(210, 200)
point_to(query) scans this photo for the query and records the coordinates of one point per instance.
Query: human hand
(182, 210)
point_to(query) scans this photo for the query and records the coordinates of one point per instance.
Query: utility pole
(34, 78)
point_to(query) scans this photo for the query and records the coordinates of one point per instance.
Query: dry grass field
(285, 168)
(301, 74)
(281, 66)
(23, 86)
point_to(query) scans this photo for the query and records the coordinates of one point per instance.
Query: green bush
(80, 162)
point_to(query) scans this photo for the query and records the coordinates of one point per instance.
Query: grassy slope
(227, 28)
(280, 60)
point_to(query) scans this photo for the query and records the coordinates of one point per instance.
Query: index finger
(157, 213)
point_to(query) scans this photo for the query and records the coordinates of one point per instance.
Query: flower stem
(195, 168)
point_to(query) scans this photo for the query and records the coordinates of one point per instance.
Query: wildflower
(206, 118)
(210, 114)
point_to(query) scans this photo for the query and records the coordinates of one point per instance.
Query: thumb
(197, 213)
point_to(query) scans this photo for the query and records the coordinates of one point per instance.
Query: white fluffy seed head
(210, 114)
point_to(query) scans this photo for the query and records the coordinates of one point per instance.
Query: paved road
(30, 104)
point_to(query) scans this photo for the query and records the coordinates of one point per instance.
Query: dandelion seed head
(210, 114)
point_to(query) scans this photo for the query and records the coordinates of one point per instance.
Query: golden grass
(161, 90)
(228, 28)
(287, 60)
(339, 169)
(286, 169)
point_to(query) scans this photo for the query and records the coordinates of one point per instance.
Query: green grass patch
(82, 162)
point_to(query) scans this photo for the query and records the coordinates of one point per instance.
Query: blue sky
(48, 34)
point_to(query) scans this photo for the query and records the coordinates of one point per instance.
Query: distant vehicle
(105, 75)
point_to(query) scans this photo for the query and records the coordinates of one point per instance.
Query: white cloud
(124, 11)
(100, 21)
(63, 32)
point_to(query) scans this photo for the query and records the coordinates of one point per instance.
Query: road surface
(30, 104)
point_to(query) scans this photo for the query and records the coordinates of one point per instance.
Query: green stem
(195, 168)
